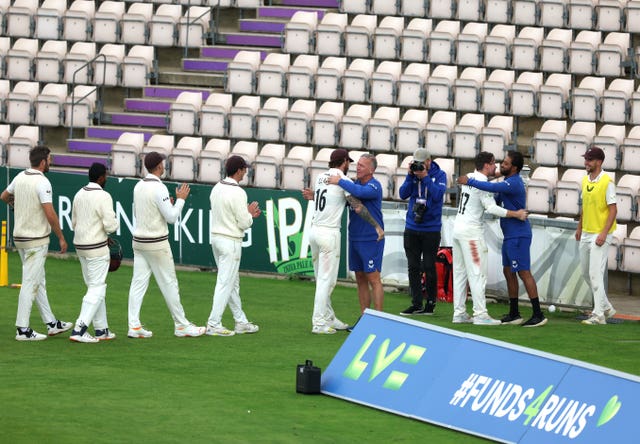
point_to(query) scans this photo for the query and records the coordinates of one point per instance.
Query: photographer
(425, 186)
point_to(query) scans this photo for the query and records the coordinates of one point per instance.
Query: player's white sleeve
(610, 195)
(490, 206)
(43, 188)
(170, 212)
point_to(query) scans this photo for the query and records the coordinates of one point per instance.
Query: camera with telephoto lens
(416, 166)
(418, 210)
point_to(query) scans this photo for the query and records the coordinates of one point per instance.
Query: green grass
(212, 389)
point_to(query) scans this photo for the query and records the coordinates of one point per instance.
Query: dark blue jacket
(433, 186)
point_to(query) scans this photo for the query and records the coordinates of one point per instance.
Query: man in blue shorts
(516, 255)
(365, 251)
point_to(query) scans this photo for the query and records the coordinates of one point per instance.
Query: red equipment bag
(444, 271)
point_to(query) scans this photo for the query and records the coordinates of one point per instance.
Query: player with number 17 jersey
(471, 207)
(329, 200)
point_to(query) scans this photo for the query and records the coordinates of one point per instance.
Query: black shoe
(428, 309)
(411, 311)
(535, 321)
(511, 319)
(350, 328)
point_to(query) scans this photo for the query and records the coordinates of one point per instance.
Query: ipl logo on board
(384, 358)
(287, 243)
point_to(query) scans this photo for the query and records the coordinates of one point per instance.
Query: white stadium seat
(124, 157)
(184, 113)
(540, 189)
(49, 105)
(547, 142)
(301, 76)
(214, 112)
(270, 119)
(182, 161)
(241, 72)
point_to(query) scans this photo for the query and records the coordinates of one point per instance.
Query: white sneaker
(485, 320)
(139, 332)
(189, 331)
(219, 331)
(30, 335)
(246, 327)
(323, 330)
(595, 320)
(610, 312)
(85, 337)
(338, 324)
(104, 334)
(462, 319)
(56, 327)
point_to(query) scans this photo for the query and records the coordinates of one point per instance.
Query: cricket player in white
(92, 219)
(153, 209)
(330, 201)
(469, 247)
(231, 215)
(32, 198)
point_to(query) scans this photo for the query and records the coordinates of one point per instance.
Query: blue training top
(512, 195)
(370, 193)
(433, 186)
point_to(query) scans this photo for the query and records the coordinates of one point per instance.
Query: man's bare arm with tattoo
(362, 211)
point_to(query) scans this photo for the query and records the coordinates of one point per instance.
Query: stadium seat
(552, 13)
(524, 92)
(497, 11)
(469, 44)
(497, 46)
(106, 22)
(248, 151)
(387, 164)
(580, 14)
(609, 15)
(354, 6)
(139, 67)
(448, 165)
(270, 119)
(19, 59)
(383, 7)
(163, 27)
(5, 133)
(540, 189)
(266, 166)
(616, 100)
(438, 87)
(567, 194)
(271, 75)
(631, 252)
(79, 106)
(413, 46)
(553, 96)
(609, 138)
(19, 18)
(78, 21)
(325, 123)
(438, 132)
(554, 50)
(133, 27)
(581, 50)
(496, 136)
(524, 49)
(585, 99)
(214, 112)
(124, 156)
(441, 42)
(300, 77)
(211, 160)
(615, 252)
(23, 139)
(353, 127)
(241, 72)
(297, 122)
(546, 144)
(495, 92)
(330, 34)
(182, 161)
(194, 26)
(410, 130)
(381, 129)
(386, 38)
(467, 89)
(299, 33)
(355, 80)
(184, 113)
(49, 105)
(108, 65)
(632, 16)
(242, 117)
(75, 63)
(48, 20)
(400, 175)
(358, 36)
(611, 54)
(627, 192)
(410, 85)
(20, 101)
(48, 61)
(442, 9)
(630, 151)
(525, 12)
(382, 85)
(413, 8)
(576, 142)
(294, 168)
(328, 81)
(464, 138)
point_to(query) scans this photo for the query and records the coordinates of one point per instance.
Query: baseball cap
(235, 163)
(420, 155)
(340, 154)
(594, 153)
(153, 159)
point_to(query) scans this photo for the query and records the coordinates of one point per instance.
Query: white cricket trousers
(33, 286)
(469, 266)
(325, 251)
(94, 309)
(160, 263)
(227, 253)
(593, 262)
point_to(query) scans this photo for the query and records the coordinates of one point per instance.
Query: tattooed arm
(362, 211)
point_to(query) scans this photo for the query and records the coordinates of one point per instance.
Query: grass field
(212, 389)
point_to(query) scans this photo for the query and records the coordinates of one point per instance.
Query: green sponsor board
(278, 241)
